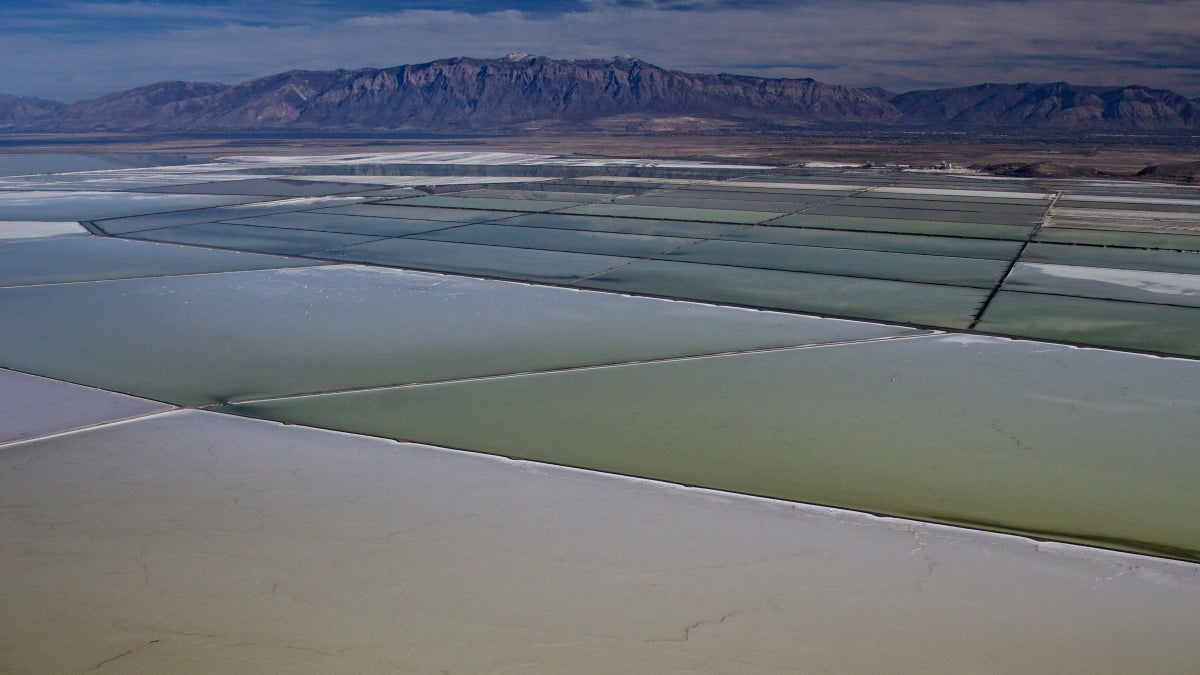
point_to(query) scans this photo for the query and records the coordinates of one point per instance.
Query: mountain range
(528, 93)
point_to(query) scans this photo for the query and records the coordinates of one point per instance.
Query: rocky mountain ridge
(1054, 105)
(527, 93)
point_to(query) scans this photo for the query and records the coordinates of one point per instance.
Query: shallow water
(218, 337)
(21, 164)
(1054, 441)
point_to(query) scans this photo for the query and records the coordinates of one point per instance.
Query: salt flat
(569, 415)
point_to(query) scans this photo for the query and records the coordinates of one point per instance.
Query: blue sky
(74, 50)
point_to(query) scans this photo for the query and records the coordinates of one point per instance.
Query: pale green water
(1053, 441)
(901, 225)
(930, 269)
(399, 210)
(674, 213)
(526, 205)
(1110, 238)
(332, 222)
(200, 339)
(928, 304)
(88, 258)
(666, 228)
(520, 264)
(878, 241)
(249, 238)
(573, 241)
(1155, 328)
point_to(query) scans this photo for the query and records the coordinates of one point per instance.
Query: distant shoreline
(1095, 155)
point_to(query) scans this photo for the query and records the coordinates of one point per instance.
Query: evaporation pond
(34, 406)
(59, 205)
(860, 298)
(1074, 444)
(279, 332)
(73, 259)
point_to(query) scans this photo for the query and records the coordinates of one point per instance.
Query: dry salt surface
(1165, 284)
(12, 230)
(187, 541)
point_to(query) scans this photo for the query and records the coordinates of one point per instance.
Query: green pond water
(1053, 441)
(203, 338)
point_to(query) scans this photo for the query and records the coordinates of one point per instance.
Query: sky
(70, 51)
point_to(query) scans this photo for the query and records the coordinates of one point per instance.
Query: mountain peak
(522, 92)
